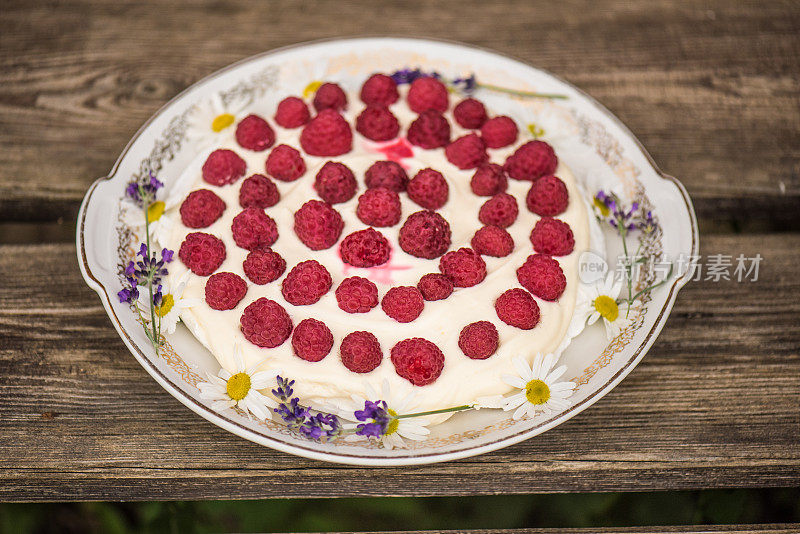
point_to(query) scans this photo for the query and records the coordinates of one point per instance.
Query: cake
(381, 234)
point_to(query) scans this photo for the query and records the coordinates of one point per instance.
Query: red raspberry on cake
(467, 152)
(418, 360)
(548, 196)
(253, 229)
(379, 207)
(330, 96)
(377, 124)
(553, 237)
(403, 304)
(265, 323)
(318, 225)
(254, 133)
(499, 132)
(429, 130)
(500, 210)
(263, 266)
(435, 286)
(517, 308)
(365, 248)
(224, 291)
(312, 340)
(542, 276)
(427, 94)
(306, 283)
(361, 352)
(357, 295)
(379, 90)
(470, 114)
(429, 189)
(292, 112)
(388, 174)
(532, 160)
(201, 209)
(223, 167)
(479, 340)
(489, 180)
(335, 183)
(202, 253)
(258, 191)
(464, 267)
(425, 234)
(327, 135)
(285, 163)
(493, 241)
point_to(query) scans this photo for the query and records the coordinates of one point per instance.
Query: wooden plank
(714, 404)
(711, 90)
(683, 529)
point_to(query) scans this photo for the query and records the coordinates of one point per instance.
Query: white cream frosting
(462, 380)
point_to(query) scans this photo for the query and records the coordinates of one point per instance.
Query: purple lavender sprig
(143, 193)
(464, 84)
(317, 426)
(377, 413)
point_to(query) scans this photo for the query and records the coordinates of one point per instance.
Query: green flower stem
(658, 284)
(524, 94)
(434, 412)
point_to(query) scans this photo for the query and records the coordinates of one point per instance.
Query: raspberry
(489, 180)
(429, 189)
(223, 167)
(224, 291)
(379, 90)
(328, 134)
(306, 283)
(379, 207)
(531, 161)
(403, 304)
(202, 253)
(365, 248)
(265, 323)
(542, 275)
(201, 208)
(467, 152)
(335, 183)
(253, 228)
(479, 340)
(361, 352)
(553, 237)
(388, 174)
(357, 295)
(258, 191)
(318, 225)
(429, 130)
(470, 114)
(292, 112)
(427, 94)
(493, 241)
(263, 266)
(330, 96)
(254, 133)
(285, 163)
(377, 123)
(312, 340)
(548, 196)
(435, 286)
(499, 132)
(417, 360)
(516, 307)
(500, 210)
(464, 267)
(425, 234)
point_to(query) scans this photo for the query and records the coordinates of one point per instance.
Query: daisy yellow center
(535, 130)
(167, 302)
(537, 392)
(155, 211)
(607, 307)
(222, 121)
(601, 207)
(391, 428)
(311, 88)
(238, 386)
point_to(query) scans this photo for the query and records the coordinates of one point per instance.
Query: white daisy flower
(213, 118)
(540, 391)
(240, 389)
(172, 302)
(160, 218)
(600, 300)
